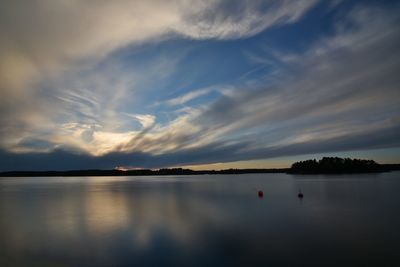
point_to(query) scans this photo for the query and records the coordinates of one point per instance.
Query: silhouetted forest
(338, 165)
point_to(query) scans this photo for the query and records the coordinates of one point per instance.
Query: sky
(202, 84)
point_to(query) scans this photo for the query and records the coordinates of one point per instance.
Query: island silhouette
(327, 165)
(336, 165)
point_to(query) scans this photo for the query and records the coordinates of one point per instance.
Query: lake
(207, 220)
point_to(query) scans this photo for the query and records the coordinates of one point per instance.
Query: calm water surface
(200, 220)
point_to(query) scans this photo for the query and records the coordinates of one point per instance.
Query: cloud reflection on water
(201, 220)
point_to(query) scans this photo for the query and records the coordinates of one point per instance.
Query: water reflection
(200, 220)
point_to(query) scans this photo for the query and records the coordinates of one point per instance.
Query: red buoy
(260, 193)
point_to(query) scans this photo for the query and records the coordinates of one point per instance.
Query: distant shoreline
(179, 171)
(140, 172)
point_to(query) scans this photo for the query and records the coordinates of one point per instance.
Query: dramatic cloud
(41, 41)
(79, 89)
(41, 38)
(342, 87)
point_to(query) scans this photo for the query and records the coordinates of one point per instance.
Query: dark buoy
(300, 194)
(260, 194)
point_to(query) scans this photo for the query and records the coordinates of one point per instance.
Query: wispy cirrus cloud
(78, 102)
(62, 34)
(233, 19)
(326, 96)
(180, 100)
(47, 48)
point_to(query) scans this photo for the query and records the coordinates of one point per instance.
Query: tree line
(335, 165)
